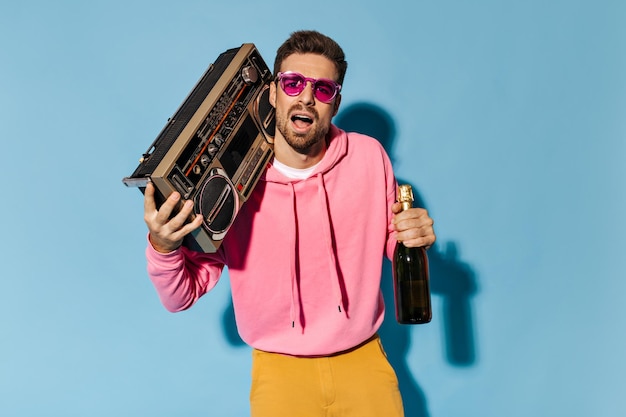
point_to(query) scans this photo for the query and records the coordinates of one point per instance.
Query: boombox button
(239, 187)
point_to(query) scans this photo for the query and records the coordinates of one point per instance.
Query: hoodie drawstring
(328, 243)
(292, 264)
(334, 276)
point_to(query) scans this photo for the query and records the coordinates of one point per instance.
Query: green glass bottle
(411, 280)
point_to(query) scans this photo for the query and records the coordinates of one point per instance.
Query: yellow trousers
(356, 383)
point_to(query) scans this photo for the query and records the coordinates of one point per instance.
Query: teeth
(303, 118)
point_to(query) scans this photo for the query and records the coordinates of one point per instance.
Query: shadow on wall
(451, 279)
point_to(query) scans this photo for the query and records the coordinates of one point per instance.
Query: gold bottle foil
(405, 196)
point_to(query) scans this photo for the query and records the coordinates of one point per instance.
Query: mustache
(300, 107)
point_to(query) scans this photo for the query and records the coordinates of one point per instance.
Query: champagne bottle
(410, 275)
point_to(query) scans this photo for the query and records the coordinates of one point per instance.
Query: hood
(337, 149)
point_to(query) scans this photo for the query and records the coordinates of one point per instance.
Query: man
(304, 254)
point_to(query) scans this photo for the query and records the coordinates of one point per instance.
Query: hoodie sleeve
(392, 185)
(183, 276)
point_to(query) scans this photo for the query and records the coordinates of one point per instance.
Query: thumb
(396, 208)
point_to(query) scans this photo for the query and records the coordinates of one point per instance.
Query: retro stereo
(216, 146)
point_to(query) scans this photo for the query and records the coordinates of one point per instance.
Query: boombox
(215, 147)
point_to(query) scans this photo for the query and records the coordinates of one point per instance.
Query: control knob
(212, 149)
(249, 74)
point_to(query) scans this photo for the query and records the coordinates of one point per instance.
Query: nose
(307, 96)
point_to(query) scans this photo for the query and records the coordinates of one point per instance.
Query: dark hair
(310, 41)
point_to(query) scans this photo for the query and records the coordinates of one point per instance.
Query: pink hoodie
(304, 256)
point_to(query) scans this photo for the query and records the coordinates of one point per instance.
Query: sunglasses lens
(292, 84)
(325, 90)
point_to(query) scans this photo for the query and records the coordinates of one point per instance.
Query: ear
(272, 96)
(337, 103)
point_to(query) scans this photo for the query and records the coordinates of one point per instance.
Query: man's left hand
(414, 226)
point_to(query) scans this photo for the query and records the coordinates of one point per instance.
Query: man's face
(303, 121)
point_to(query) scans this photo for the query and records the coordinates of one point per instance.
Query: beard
(301, 143)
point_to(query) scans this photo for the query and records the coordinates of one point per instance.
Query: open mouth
(301, 121)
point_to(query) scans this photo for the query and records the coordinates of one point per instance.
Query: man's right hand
(166, 234)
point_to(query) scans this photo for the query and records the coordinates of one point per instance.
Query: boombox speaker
(215, 147)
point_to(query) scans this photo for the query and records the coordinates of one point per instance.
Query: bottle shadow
(452, 279)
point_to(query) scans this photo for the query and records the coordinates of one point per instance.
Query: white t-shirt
(296, 173)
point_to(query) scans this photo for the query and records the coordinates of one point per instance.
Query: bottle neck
(406, 205)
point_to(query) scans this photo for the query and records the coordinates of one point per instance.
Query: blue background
(508, 117)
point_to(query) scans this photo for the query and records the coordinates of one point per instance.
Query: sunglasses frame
(336, 86)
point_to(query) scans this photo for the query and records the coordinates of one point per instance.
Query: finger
(178, 235)
(416, 229)
(191, 226)
(168, 207)
(148, 201)
(420, 242)
(423, 222)
(412, 213)
(423, 236)
(414, 233)
(182, 217)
